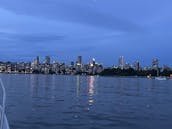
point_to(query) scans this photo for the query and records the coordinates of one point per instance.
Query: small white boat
(3, 119)
(161, 78)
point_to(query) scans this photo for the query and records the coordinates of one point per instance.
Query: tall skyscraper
(36, 61)
(121, 62)
(79, 60)
(47, 60)
(155, 63)
(94, 61)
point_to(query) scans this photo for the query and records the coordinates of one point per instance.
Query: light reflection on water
(87, 102)
(91, 90)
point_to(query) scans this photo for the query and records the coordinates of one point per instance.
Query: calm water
(80, 102)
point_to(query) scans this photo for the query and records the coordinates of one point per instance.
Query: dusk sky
(104, 29)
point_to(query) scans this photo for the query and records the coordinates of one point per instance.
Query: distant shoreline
(116, 76)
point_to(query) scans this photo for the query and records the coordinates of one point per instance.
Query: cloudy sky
(104, 29)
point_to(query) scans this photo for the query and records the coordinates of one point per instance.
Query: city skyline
(120, 62)
(138, 30)
(78, 67)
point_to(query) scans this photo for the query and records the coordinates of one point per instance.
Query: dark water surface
(87, 102)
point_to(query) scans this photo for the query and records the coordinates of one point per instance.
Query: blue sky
(104, 29)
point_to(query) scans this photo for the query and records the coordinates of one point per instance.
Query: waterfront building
(28, 67)
(79, 60)
(35, 64)
(94, 61)
(155, 63)
(121, 62)
(8, 67)
(127, 66)
(136, 65)
(21, 67)
(47, 60)
(36, 61)
(78, 66)
(55, 67)
(146, 68)
(2, 67)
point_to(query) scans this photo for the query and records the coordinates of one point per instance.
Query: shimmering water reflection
(87, 102)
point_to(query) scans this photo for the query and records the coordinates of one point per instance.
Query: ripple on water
(74, 102)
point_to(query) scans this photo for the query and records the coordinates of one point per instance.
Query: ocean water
(87, 102)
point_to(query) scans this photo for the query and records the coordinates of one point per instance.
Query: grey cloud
(30, 37)
(71, 11)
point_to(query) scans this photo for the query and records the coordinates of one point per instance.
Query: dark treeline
(132, 72)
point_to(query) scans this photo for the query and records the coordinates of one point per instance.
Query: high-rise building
(37, 60)
(94, 61)
(47, 60)
(79, 60)
(136, 65)
(155, 64)
(121, 62)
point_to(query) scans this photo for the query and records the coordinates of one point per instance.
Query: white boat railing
(2, 106)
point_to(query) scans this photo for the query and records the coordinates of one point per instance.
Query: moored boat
(161, 78)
